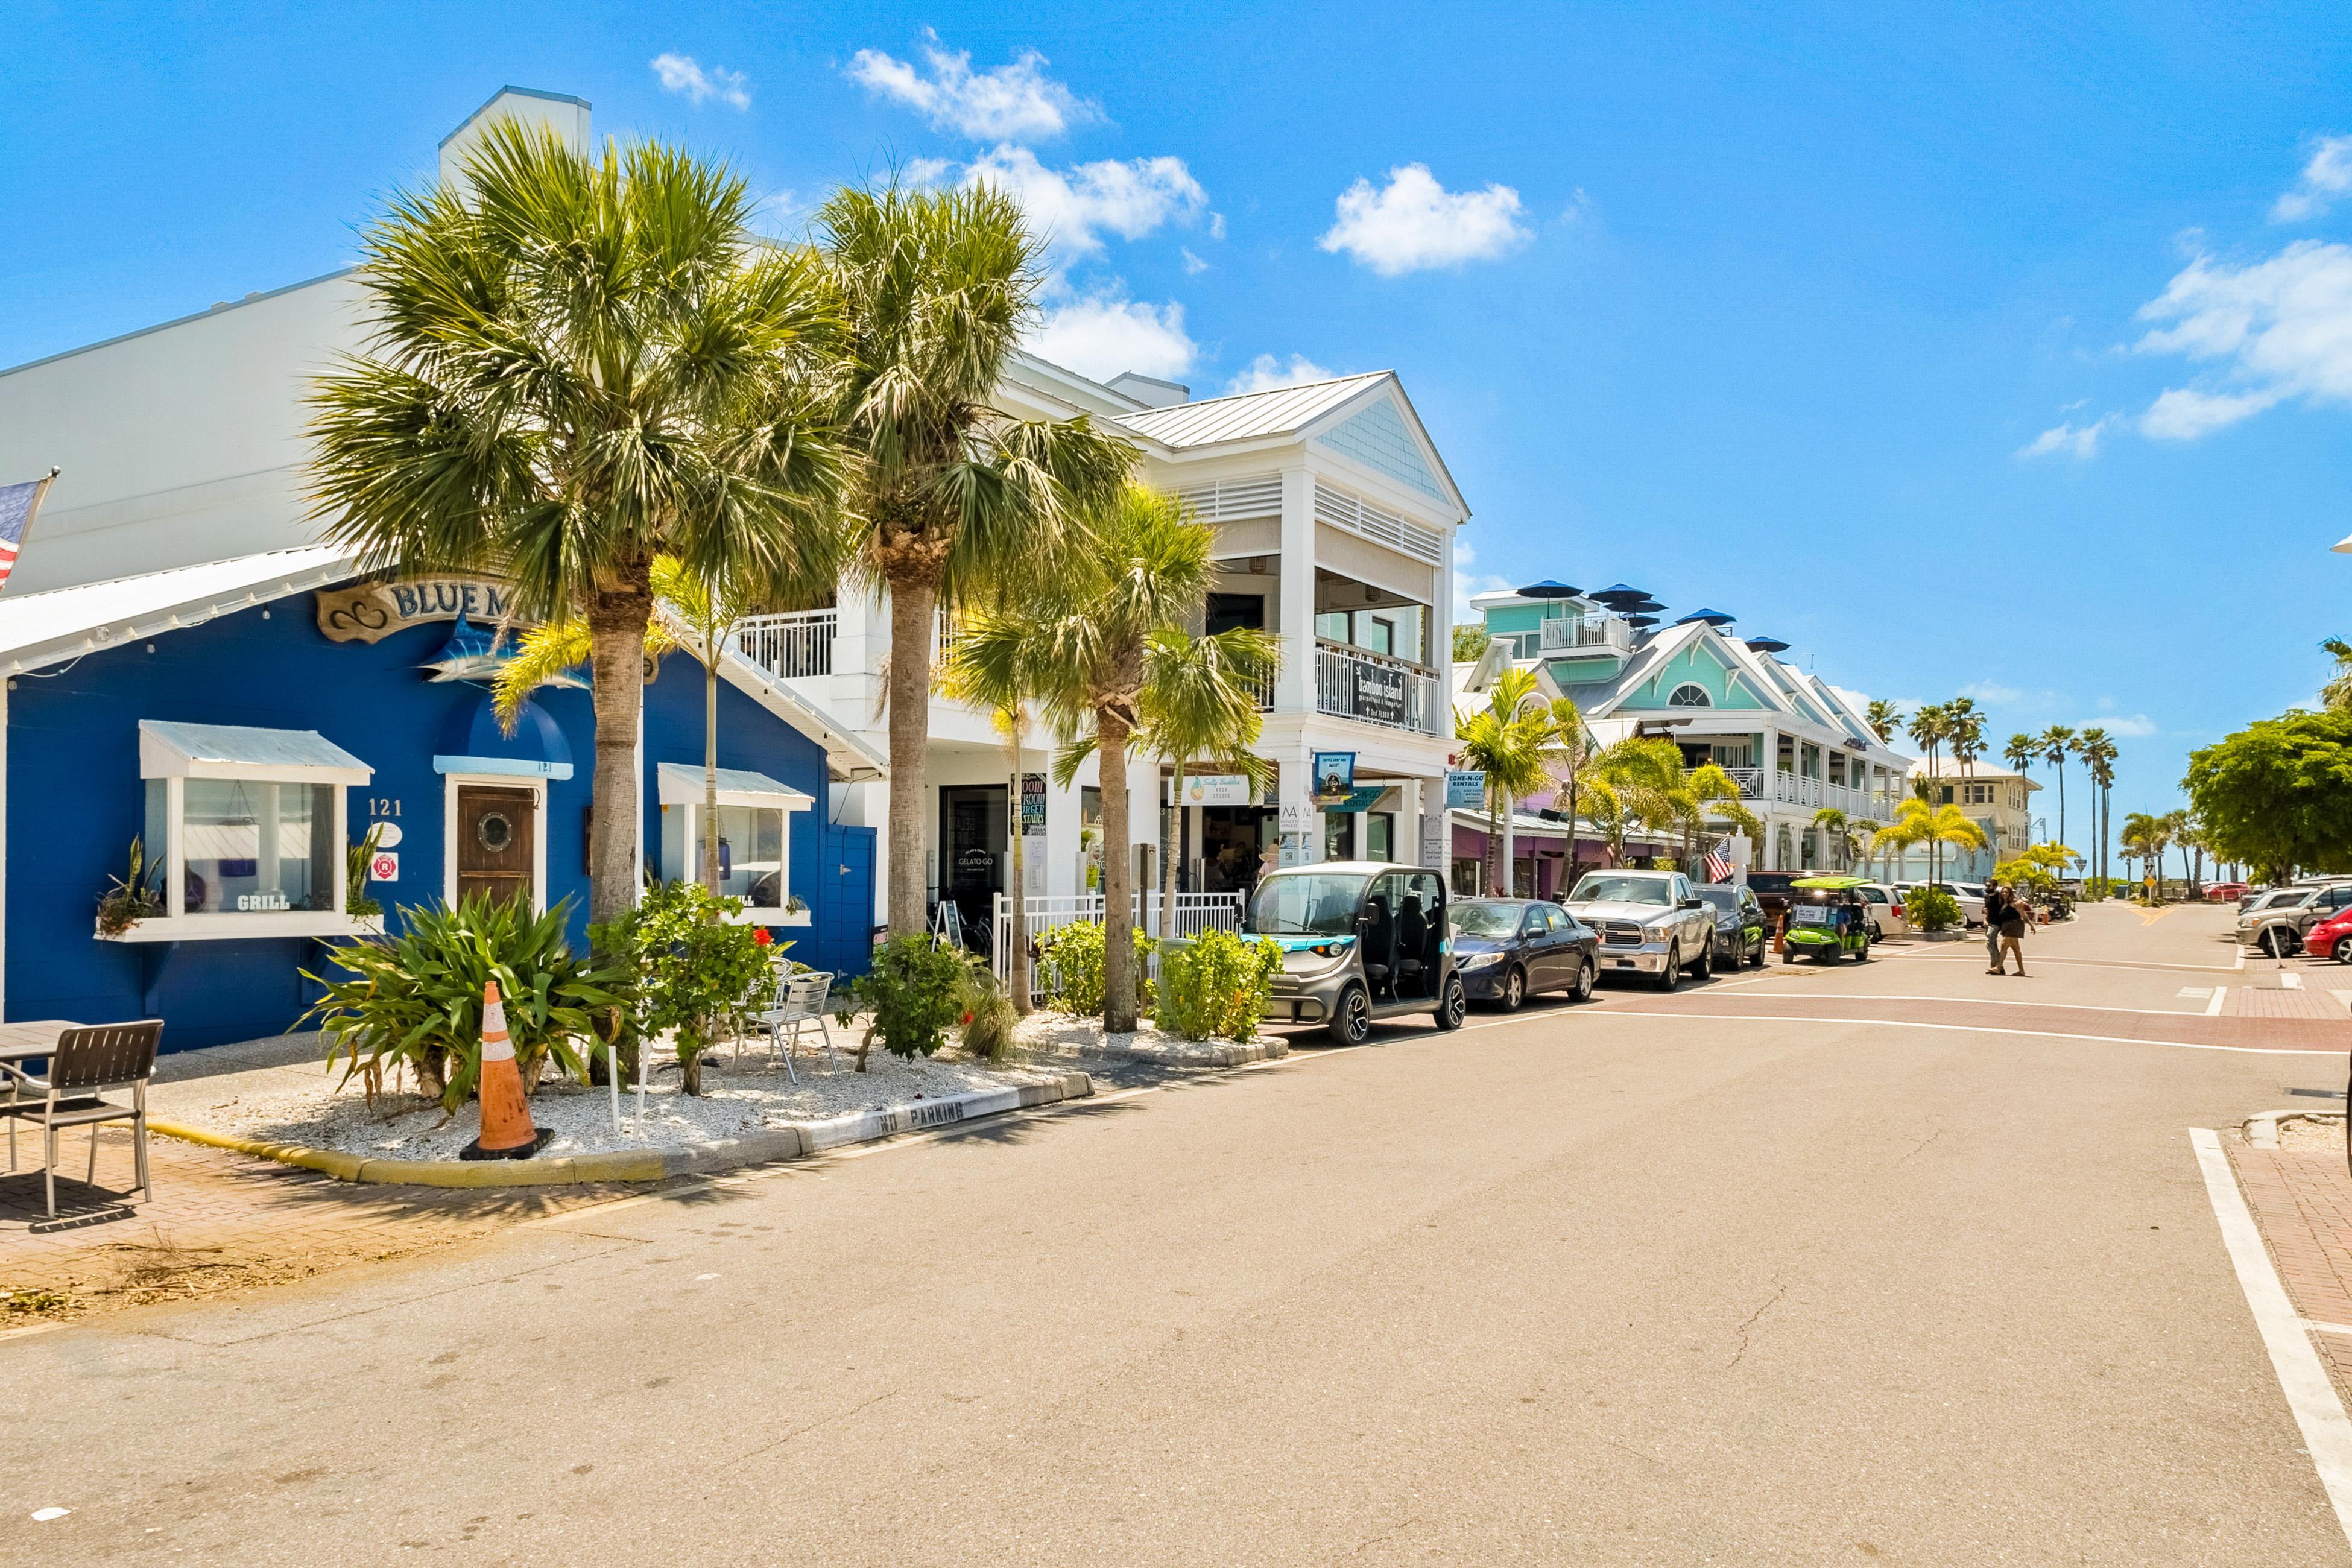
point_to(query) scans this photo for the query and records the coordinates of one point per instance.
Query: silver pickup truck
(1651, 922)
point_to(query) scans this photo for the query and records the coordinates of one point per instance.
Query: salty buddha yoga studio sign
(370, 612)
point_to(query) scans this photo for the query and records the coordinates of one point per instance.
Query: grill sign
(1380, 693)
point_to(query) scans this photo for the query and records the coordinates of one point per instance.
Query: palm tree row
(586, 377)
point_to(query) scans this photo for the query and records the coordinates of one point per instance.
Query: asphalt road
(1642, 1281)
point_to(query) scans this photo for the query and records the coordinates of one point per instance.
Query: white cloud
(1991, 692)
(1072, 207)
(926, 171)
(1104, 332)
(1467, 581)
(2073, 440)
(679, 73)
(1415, 222)
(2138, 724)
(1018, 99)
(2282, 327)
(1193, 265)
(2327, 176)
(1265, 372)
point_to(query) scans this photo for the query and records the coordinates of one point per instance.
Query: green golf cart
(1827, 919)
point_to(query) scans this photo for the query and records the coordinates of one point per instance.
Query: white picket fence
(1194, 913)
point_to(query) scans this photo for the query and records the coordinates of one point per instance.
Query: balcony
(790, 647)
(1352, 684)
(1798, 789)
(1589, 634)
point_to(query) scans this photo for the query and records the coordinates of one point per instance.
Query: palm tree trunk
(616, 663)
(1118, 858)
(1016, 934)
(1175, 849)
(914, 607)
(1494, 847)
(2062, 800)
(710, 763)
(1575, 861)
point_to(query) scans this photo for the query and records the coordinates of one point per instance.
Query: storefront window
(1339, 835)
(753, 866)
(1380, 836)
(251, 847)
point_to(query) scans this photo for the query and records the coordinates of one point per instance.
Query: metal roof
(1282, 411)
(170, 749)
(38, 629)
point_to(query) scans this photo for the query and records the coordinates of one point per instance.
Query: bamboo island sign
(374, 611)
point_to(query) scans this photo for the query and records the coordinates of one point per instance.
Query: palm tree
(1931, 726)
(1703, 793)
(709, 620)
(1148, 569)
(993, 664)
(1965, 727)
(1631, 783)
(1510, 741)
(1575, 747)
(2056, 741)
(1885, 718)
(936, 287)
(1935, 826)
(2181, 833)
(2021, 752)
(2143, 838)
(2098, 753)
(576, 367)
(2337, 694)
(1199, 699)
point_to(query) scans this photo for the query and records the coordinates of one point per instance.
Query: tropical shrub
(416, 999)
(697, 970)
(1216, 987)
(988, 1018)
(357, 858)
(1075, 953)
(916, 989)
(1930, 909)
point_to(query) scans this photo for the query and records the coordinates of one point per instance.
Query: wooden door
(498, 835)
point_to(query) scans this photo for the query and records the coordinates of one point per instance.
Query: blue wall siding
(75, 800)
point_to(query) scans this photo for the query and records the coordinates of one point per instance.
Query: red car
(2217, 892)
(2326, 939)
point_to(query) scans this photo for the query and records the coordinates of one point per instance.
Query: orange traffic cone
(507, 1132)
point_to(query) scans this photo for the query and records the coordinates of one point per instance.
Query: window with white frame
(244, 826)
(754, 835)
(1690, 694)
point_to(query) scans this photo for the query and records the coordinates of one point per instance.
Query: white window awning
(683, 785)
(169, 749)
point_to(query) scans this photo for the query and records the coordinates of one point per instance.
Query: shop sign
(1466, 789)
(370, 612)
(1033, 804)
(1380, 693)
(1296, 817)
(1217, 789)
(1333, 777)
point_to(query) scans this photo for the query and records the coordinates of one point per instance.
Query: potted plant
(136, 896)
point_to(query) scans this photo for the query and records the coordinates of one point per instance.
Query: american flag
(17, 505)
(1719, 869)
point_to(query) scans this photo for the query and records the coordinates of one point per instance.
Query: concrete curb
(786, 1140)
(2262, 1131)
(1223, 1054)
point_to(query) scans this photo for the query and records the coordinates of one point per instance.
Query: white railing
(1353, 684)
(1266, 686)
(1041, 913)
(1606, 633)
(790, 646)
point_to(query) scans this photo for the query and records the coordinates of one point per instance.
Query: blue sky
(2005, 349)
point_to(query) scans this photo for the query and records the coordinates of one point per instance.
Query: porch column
(1294, 688)
(1300, 826)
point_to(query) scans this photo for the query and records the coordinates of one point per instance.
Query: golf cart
(1828, 918)
(1360, 940)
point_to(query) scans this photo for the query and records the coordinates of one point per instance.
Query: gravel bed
(2306, 1136)
(1046, 1035)
(406, 1126)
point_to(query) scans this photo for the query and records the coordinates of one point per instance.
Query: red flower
(760, 935)
(967, 1017)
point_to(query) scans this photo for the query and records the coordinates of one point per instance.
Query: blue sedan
(1505, 950)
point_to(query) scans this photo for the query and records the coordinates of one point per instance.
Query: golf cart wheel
(1351, 1019)
(1453, 1006)
(1670, 975)
(1515, 989)
(1581, 989)
(1788, 956)
(1861, 954)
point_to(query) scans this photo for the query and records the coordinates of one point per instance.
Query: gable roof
(1278, 411)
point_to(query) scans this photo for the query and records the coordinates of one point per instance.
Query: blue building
(251, 720)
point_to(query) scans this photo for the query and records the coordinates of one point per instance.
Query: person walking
(1996, 907)
(2012, 935)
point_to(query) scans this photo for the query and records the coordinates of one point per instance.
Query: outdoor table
(23, 1042)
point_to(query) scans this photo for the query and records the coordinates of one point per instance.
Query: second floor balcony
(1351, 683)
(1781, 787)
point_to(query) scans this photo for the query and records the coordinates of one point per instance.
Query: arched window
(1690, 694)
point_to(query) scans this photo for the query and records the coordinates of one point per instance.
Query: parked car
(2325, 940)
(1360, 940)
(1507, 950)
(2277, 924)
(1772, 890)
(1971, 903)
(1885, 911)
(2222, 892)
(1740, 934)
(1651, 922)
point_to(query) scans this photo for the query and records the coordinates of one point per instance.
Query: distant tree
(2057, 743)
(1965, 729)
(1470, 640)
(2098, 753)
(1885, 718)
(2336, 695)
(2278, 793)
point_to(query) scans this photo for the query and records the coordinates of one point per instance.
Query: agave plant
(416, 999)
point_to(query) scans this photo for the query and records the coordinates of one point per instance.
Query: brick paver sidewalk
(2302, 1200)
(220, 1222)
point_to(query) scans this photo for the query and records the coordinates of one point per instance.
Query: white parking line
(2326, 1430)
(1982, 1029)
(2220, 994)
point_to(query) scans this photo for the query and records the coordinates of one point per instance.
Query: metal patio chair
(801, 1002)
(88, 1064)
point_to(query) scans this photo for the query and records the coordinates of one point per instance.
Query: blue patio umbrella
(1640, 621)
(1712, 617)
(1547, 589)
(1619, 596)
(1766, 645)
